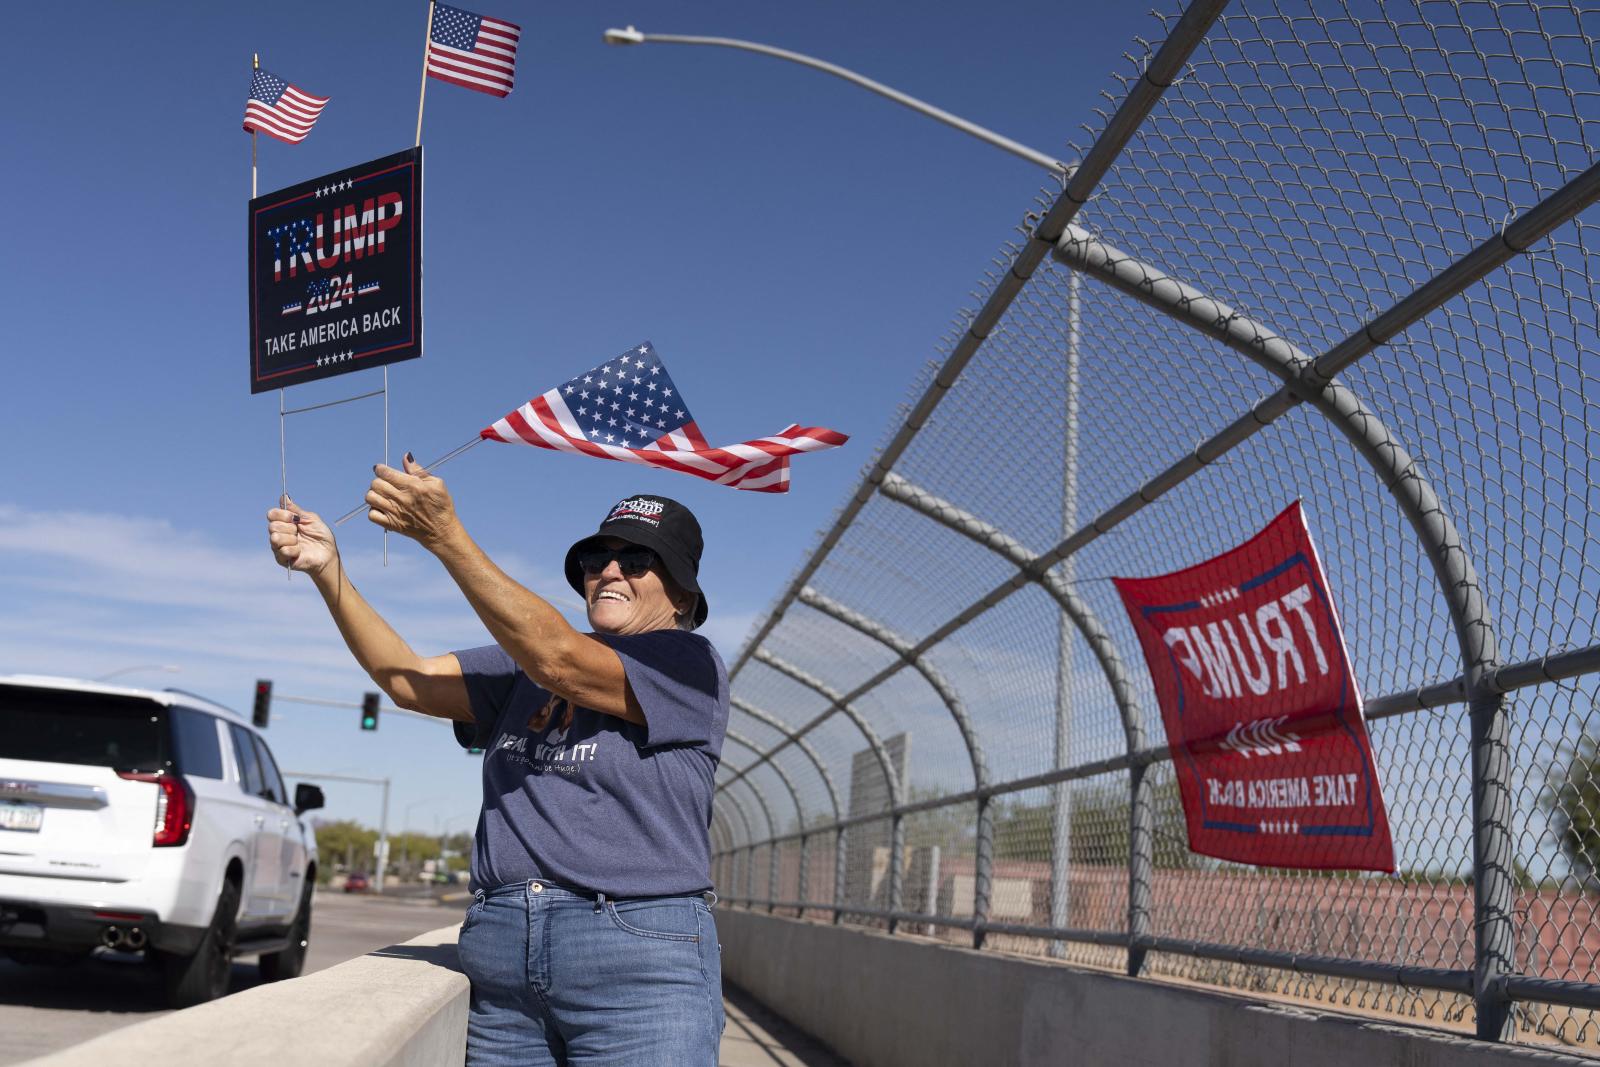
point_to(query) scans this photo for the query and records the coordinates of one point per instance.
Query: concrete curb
(401, 1006)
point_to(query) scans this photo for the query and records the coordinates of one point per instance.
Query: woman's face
(621, 605)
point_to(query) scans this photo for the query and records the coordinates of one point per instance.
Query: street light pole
(631, 36)
(382, 853)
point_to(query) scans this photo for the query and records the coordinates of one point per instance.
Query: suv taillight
(174, 807)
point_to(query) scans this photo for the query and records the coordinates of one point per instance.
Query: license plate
(15, 816)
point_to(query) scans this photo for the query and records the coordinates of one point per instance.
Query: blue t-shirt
(603, 804)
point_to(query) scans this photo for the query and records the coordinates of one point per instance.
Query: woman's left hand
(411, 502)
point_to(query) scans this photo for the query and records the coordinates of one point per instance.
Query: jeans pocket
(669, 919)
(475, 909)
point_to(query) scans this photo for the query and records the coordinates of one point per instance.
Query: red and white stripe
(761, 465)
(491, 66)
(290, 119)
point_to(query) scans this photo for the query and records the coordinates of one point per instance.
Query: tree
(344, 842)
(1572, 797)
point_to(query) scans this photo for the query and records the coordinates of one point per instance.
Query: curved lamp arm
(630, 36)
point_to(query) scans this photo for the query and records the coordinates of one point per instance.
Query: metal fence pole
(896, 868)
(1061, 795)
(772, 876)
(982, 871)
(803, 887)
(838, 873)
(1141, 862)
(1493, 855)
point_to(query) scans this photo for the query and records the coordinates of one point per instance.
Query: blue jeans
(559, 977)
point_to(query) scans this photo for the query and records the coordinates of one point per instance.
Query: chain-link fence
(1326, 251)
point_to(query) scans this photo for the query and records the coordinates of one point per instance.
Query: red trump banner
(1262, 711)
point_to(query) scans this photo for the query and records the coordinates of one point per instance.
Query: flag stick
(422, 96)
(283, 468)
(386, 449)
(430, 468)
(283, 446)
(255, 64)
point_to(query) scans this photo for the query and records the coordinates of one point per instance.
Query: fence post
(897, 831)
(1141, 856)
(982, 871)
(1061, 794)
(1493, 884)
(772, 876)
(838, 874)
(802, 888)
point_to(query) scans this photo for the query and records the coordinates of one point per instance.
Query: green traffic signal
(369, 711)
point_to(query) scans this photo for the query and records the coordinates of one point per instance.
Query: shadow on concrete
(756, 1037)
(439, 955)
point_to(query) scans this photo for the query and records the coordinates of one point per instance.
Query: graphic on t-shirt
(551, 754)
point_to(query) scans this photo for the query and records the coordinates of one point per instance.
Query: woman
(589, 940)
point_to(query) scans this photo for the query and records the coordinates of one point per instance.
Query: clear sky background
(792, 245)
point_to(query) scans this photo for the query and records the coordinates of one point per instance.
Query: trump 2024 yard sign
(1260, 706)
(336, 273)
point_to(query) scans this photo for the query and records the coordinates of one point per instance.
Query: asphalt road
(43, 1009)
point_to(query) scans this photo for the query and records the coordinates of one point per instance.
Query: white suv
(152, 822)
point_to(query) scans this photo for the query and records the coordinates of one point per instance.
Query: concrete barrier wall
(883, 1001)
(402, 1006)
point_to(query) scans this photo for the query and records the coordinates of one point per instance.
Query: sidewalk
(754, 1037)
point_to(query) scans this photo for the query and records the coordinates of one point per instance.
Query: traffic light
(474, 750)
(263, 703)
(369, 711)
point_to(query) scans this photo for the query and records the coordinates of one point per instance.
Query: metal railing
(1390, 196)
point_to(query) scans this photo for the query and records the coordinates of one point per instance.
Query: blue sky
(793, 247)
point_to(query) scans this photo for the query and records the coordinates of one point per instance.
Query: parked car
(356, 883)
(153, 822)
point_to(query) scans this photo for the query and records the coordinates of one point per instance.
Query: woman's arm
(432, 685)
(574, 665)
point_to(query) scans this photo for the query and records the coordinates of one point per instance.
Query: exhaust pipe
(111, 937)
(134, 939)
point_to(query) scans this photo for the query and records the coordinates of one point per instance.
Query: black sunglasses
(634, 560)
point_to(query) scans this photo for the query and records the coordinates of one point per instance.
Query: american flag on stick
(279, 109)
(472, 51)
(630, 410)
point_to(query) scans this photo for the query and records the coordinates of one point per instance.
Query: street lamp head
(621, 37)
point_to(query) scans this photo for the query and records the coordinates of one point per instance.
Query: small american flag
(472, 51)
(629, 409)
(280, 110)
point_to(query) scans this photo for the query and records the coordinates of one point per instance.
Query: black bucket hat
(660, 524)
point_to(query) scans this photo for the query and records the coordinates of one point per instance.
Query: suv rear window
(93, 729)
(194, 735)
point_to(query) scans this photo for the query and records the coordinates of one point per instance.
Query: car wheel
(204, 976)
(275, 966)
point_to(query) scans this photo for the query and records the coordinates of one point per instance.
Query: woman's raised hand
(411, 502)
(300, 539)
